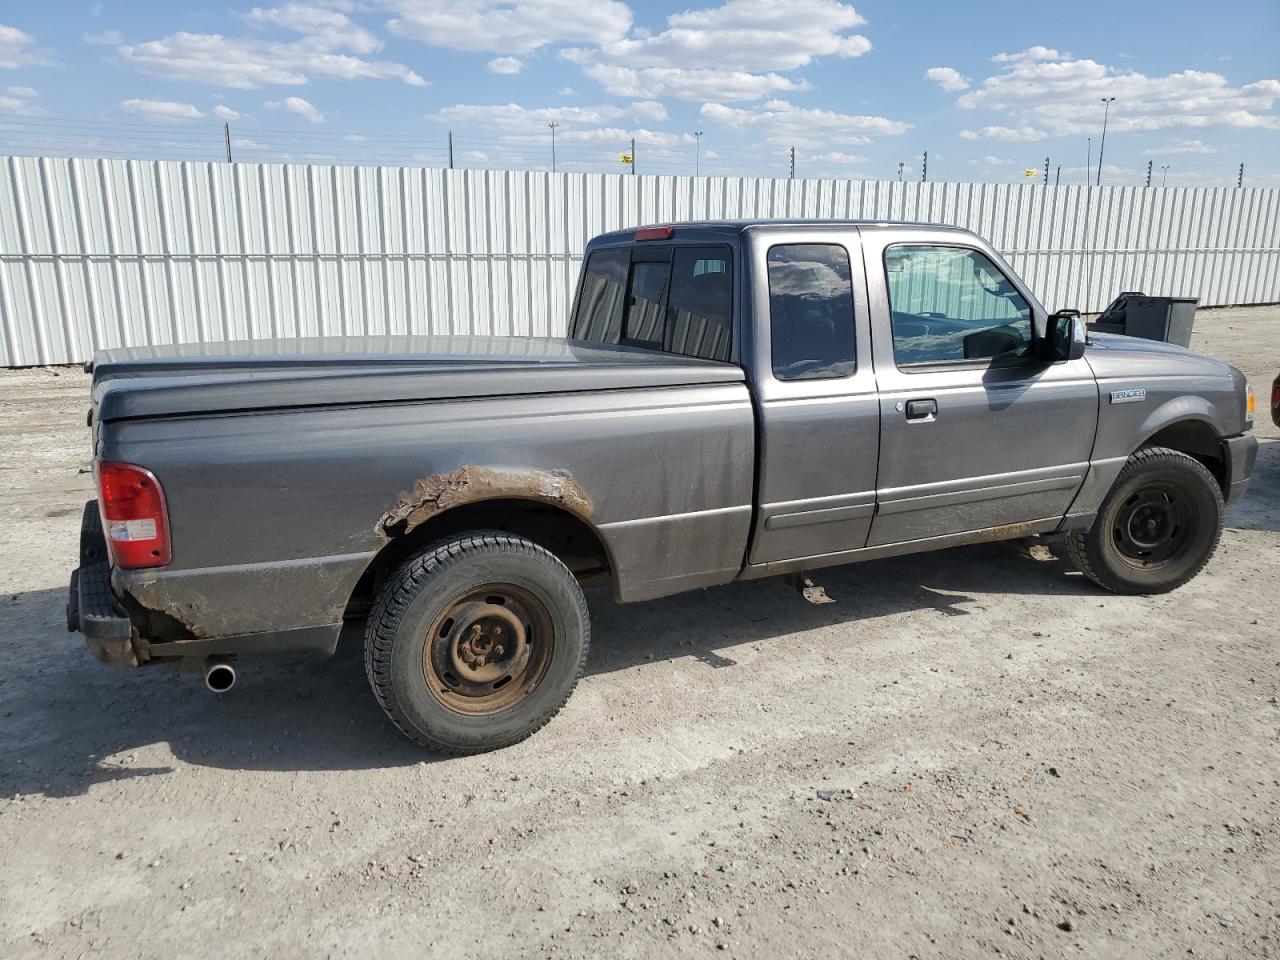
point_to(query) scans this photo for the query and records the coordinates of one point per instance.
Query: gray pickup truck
(735, 400)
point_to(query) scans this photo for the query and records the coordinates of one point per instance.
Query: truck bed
(185, 379)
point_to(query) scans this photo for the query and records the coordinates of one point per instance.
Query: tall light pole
(1164, 173)
(553, 126)
(697, 153)
(1106, 111)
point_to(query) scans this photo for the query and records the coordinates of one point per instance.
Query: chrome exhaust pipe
(219, 676)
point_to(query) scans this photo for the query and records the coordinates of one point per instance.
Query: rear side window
(604, 284)
(700, 310)
(811, 311)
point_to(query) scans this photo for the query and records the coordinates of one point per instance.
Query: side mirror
(1064, 336)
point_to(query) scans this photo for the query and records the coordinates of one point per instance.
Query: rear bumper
(1239, 454)
(96, 612)
(92, 608)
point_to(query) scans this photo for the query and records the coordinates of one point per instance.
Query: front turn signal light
(1249, 405)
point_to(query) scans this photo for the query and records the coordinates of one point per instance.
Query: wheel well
(1197, 439)
(570, 538)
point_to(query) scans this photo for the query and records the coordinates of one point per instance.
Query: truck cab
(906, 393)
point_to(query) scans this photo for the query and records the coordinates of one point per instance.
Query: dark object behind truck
(1167, 319)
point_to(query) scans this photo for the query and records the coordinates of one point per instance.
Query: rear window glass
(681, 302)
(604, 283)
(700, 311)
(644, 311)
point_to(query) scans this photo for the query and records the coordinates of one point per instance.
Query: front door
(975, 431)
(819, 418)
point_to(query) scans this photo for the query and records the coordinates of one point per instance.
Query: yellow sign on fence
(1029, 172)
(624, 158)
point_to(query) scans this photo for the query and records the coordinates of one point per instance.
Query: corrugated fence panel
(106, 253)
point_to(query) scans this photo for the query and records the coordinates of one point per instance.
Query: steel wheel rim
(1153, 525)
(488, 649)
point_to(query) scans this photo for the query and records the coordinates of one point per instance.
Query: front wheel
(477, 642)
(1157, 527)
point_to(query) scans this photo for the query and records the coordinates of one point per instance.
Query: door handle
(922, 410)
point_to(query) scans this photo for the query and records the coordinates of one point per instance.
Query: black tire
(1157, 528)
(453, 618)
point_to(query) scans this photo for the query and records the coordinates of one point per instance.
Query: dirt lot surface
(1016, 764)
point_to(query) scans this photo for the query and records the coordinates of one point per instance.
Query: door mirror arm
(1064, 338)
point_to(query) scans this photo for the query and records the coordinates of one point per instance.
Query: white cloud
(507, 66)
(1024, 134)
(106, 38)
(1031, 55)
(303, 108)
(726, 53)
(331, 47)
(835, 156)
(327, 27)
(244, 143)
(991, 161)
(161, 109)
(514, 117)
(690, 83)
(756, 35)
(649, 110)
(17, 49)
(1186, 146)
(355, 137)
(568, 92)
(784, 123)
(18, 100)
(620, 136)
(948, 78)
(1043, 90)
(225, 113)
(501, 26)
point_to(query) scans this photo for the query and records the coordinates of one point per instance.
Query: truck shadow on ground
(71, 723)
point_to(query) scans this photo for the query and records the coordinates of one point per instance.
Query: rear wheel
(476, 642)
(1157, 527)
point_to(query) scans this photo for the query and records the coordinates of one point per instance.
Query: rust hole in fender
(470, 484)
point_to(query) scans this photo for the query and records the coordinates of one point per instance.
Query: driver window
(953, 303)
(811, 311)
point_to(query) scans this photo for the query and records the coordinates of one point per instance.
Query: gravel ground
(971, 753)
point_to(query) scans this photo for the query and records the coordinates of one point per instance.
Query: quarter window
(952, 304)
(811, 311)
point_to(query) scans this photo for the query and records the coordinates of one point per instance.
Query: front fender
(1182, 409)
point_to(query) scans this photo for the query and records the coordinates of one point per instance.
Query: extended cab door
(975, 431)
(811, 372)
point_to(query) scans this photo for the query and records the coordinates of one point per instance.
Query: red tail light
(654, 233)
(134, 515)
(1275, 401)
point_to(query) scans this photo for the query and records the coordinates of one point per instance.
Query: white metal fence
(103, 253)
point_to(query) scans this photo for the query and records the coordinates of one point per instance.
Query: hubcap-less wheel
(488, 649)
(1154, 525)
(1156, 528)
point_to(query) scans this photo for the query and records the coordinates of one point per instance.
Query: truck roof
(737, 226)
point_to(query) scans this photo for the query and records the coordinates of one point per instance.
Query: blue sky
(988, 89)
